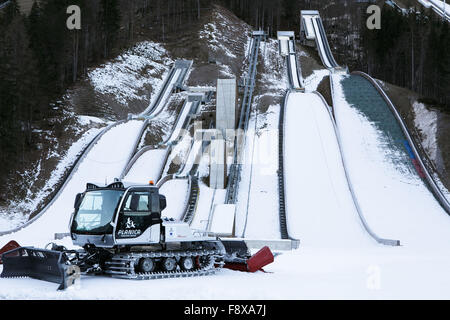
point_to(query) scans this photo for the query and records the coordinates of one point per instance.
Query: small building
(307, 34)
(226, 105)
(284, 38)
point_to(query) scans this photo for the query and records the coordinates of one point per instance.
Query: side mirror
(162, 202)
(154, 202)
(77, 203)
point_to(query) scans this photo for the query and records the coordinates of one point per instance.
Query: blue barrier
(409, 149)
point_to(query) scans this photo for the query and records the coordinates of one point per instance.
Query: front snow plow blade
(47, 265)
(236, 248)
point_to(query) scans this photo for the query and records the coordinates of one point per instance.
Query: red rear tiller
(8, 247)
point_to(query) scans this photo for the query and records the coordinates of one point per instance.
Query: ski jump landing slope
(391, 192)
(320, 209)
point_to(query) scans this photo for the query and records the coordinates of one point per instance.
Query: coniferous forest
(40, 58)
(410, 50)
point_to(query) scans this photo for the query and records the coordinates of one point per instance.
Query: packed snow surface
(284, 49)
(178, 132)
(336, 259)
(294, 71)
(176, 192)
(312, 82)
(309, 27)
(257, 206)
(147, 167)
(321, 45)
(319, 203)
(394, 199)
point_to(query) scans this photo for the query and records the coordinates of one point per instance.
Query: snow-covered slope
(126, 76)
(176, 192)
(102, 164)
(395, 200)
(14, 215)
(147, 167)
(337, 259)
(320, 210)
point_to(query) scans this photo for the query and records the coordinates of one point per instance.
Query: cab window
(137, 204)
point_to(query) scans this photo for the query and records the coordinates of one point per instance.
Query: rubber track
(123, 265)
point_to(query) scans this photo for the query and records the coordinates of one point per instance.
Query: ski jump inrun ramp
(312, 31)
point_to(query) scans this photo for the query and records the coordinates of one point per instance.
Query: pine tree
(110, 24)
